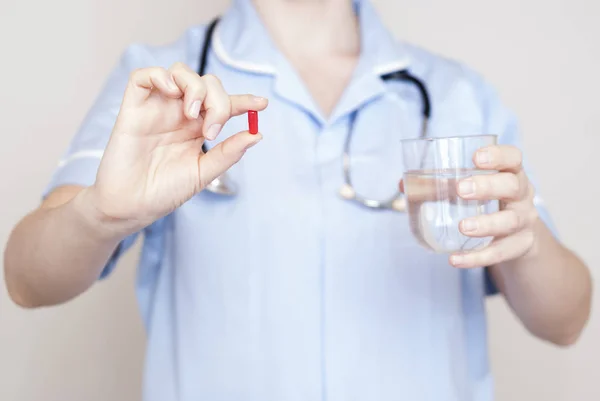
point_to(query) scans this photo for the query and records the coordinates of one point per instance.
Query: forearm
(56, 253)
(549, 289)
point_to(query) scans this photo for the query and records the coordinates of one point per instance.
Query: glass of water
(433, 168)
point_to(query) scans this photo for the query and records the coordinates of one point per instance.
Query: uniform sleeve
(80, 162)
(501, 121)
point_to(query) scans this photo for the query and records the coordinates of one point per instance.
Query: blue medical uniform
(287, 292)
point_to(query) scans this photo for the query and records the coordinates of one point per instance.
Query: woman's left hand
(513, 225)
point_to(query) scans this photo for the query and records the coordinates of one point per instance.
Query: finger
(499, 157)
(503, 186)
(193, 88)
(241, 104)
(217, 106)
(142, 81)
(501, 250)
(429, 188)
(497, 224)
(224, 155)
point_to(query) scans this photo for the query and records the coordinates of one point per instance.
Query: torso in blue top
(287, 292)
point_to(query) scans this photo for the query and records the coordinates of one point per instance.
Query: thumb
(224, 155)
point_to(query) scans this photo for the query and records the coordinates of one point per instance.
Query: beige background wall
(543, 55)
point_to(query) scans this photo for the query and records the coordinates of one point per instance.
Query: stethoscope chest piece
(222, 186)
(347, 192)
(398, 203)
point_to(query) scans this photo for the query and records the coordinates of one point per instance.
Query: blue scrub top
(287, 292)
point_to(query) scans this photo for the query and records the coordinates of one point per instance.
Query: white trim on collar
(391, 67)
(221, 53)
(224, 57)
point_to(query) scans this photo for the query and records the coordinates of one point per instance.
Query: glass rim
(448, 138)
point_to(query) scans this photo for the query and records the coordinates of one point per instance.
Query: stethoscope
(224, 186)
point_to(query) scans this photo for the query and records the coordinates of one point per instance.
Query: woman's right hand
(154, 162)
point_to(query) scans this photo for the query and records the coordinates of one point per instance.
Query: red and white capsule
(253, 122)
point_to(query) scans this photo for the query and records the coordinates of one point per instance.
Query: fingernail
(259, 99)
(483, 157)
(457, 260)
(213, 131)
(466, 187)
(195, 109)
(469, 225)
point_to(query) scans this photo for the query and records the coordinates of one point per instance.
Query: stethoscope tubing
(224, 187)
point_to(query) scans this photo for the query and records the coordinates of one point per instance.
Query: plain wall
(543, 56)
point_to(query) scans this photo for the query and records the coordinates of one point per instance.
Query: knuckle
(220, 112)
(220, 107)
(533, 215)
(212, 79)
(225, 110)
(484, 224)
(494, 152)
(488, 256)
(518, 156)
(196, 87)
(512, 185)
(528, 238)
(224, 150)
(514, 221)
(178, 66)
(495, 255)
(135, 73)
(483, 185)
(229, 153)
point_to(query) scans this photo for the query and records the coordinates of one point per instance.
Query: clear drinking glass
(433, 168)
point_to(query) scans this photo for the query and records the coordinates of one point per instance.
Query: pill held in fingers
(253, 122)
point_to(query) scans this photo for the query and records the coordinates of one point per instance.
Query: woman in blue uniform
(257, 280)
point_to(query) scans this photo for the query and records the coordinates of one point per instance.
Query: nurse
(287, 291)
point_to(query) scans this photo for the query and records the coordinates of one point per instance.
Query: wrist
(538, 231)
(98, 223)
(531, 255)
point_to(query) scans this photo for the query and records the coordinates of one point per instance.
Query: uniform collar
(242, 42)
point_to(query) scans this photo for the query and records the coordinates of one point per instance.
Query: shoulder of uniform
(449, 78)
(435, 66)
(185, 48)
